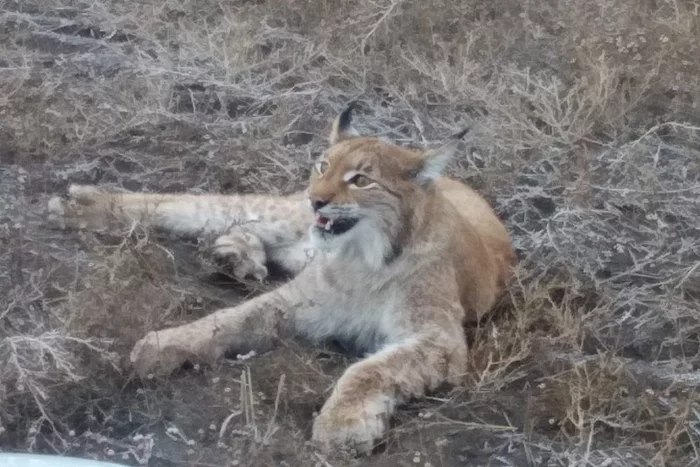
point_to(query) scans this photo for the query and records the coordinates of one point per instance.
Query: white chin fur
(327, 241)
(364, 241)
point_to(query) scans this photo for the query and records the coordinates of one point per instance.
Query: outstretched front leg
(252, 229)
(358, 411)
(253, 325)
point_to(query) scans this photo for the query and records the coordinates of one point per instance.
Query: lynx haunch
(386, 253)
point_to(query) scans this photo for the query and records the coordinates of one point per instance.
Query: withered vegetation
(585, 137)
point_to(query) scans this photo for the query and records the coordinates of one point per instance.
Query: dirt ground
(585, 136)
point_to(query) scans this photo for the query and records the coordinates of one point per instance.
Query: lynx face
(356, 195)
(362, 191)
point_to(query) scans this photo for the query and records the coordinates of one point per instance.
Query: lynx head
(364, 191)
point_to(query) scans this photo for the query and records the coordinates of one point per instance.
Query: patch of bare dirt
(585, 137)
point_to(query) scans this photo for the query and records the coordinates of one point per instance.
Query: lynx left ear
(434, 161)
(342, 126)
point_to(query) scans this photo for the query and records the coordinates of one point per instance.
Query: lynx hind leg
(86, 207)
(244, 251)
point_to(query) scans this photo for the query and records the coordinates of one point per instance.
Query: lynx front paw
(245, 252)
(83, 209)
(349, 427)
(162, 352)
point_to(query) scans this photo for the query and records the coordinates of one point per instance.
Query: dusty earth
(585, 137)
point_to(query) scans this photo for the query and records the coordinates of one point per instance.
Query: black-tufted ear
(342, 126)
(434, 161)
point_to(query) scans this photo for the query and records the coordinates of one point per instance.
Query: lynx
(386, 253)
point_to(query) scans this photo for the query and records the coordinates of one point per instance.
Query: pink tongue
(322, 220)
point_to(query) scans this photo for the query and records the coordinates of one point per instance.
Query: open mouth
(334, 226)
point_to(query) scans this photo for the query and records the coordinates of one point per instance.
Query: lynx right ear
(342, 126)
(433, 161)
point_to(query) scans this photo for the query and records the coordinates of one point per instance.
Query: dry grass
(585, 137)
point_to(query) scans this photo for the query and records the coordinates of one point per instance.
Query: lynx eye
(321, 167)
(360, 181)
